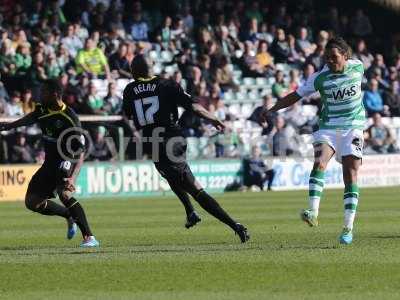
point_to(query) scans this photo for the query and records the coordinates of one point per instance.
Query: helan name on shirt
(140, 88)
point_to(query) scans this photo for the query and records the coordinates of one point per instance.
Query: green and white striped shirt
(341, 96)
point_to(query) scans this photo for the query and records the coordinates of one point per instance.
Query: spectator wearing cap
(92, 61)
(373, 101)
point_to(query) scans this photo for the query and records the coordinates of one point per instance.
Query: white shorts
(343, 141)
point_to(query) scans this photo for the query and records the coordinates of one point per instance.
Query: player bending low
(153, 103)
(64, 152)
(340, 131)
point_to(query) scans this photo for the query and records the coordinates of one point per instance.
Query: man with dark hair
(64, 146)
(152, 103)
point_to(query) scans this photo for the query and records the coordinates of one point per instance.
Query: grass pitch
(146, 253)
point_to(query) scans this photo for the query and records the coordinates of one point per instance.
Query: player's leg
(209, 204)
(37, 203)
(351, 165)
(351, 153)
(322, 155)
(192, 218)
(78, 214)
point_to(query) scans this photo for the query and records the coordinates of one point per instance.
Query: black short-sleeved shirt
(154, 102)
(61, 133)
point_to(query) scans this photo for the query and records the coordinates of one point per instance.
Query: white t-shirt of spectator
(73, 44)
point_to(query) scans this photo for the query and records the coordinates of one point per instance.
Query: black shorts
(46, 180)
(171, 162)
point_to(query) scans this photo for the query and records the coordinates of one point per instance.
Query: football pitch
(146, 253)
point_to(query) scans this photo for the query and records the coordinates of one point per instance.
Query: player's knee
(64, 196)
(320, 165)
(34, 204)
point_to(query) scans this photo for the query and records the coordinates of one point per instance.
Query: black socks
(210, 205)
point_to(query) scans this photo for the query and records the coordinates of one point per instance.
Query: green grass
(147, 254)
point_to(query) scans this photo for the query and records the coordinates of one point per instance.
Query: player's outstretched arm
(26, 120)
(286, 101)
(205, 114)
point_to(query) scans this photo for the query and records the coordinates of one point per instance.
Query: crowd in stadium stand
(218, 50)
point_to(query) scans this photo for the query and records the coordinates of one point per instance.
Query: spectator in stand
(380, 139)
(7, 60)
(92, 61)
(36, 74)
(264, 58)
(373, 101)
(255, 116)
(28, 104)
(112, 102)
(363, 54)
(14, 107)
(119, 65)
(280, 48)
(392, 99)
(295, 57)
(21, 152)
(139, 28)
(280, 139)
(303, 44)
(251, 33)
(100, 148)
(224, 76)
(205, 66)
(71, 41)
(378, 63)
(264, 34)
(23, 59)
(249, 63)
(255, 171)
(94, 102)
(294, 80)
(360, 24)
(279, 88)
(317, 58)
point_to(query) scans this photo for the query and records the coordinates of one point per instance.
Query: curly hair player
(341, 124)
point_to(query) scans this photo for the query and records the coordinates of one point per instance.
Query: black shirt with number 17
(153, 103)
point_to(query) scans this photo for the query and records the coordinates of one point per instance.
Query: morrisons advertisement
(140, 178)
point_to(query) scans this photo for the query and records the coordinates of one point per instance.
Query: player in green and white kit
(340, 131)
